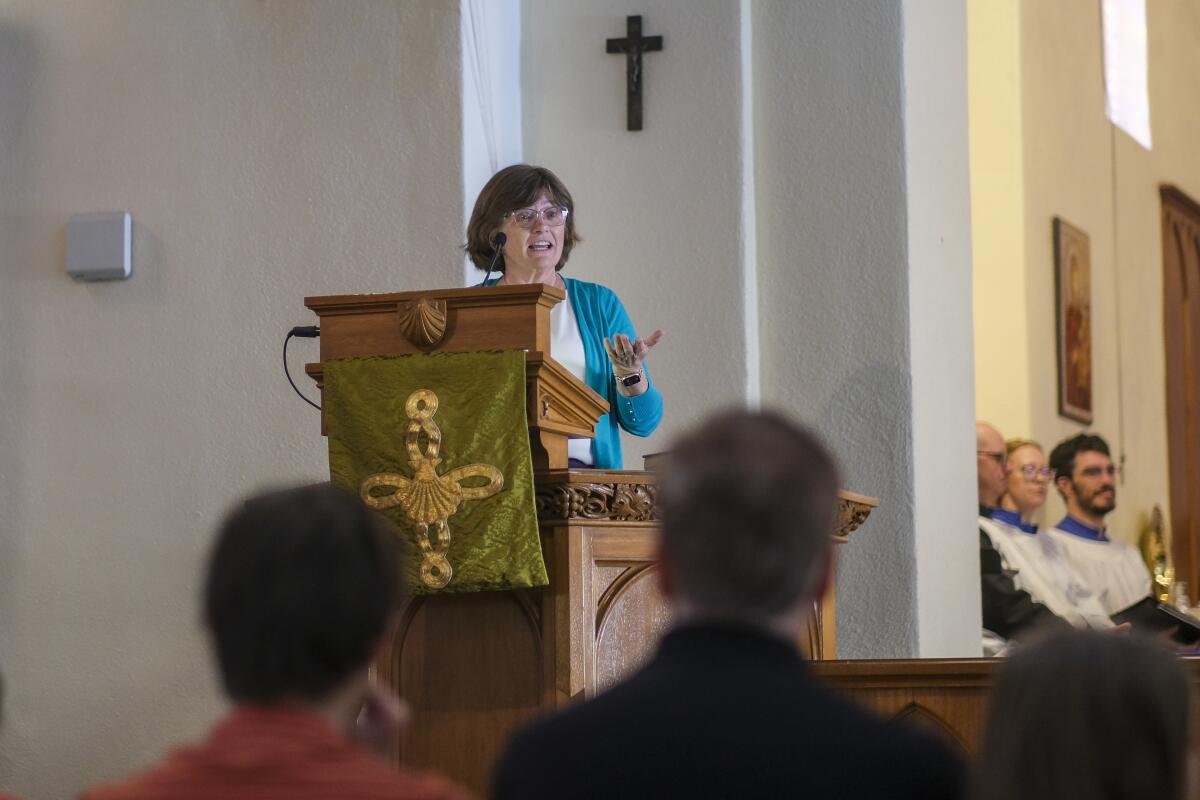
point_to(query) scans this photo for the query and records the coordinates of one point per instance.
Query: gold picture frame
(1073, 296)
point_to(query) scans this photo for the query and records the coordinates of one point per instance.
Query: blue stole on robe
(1012, 518)
(1077, 528)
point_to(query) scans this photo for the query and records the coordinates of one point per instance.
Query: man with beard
(1086, 479)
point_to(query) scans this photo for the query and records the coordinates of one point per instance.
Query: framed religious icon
(1073, 292)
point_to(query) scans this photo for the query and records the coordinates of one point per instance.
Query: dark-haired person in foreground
(301, 588)
(1087, 715)
(727, 707)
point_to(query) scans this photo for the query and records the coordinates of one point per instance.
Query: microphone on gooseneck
(498, 242)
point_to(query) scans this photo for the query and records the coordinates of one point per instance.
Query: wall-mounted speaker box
(100, 246)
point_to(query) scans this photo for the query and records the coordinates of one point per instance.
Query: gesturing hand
(627, 356)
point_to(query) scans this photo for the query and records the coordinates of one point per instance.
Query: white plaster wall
(1068, 163)
(767, 198)
(833, 277)
(659, 209)
(940, 344)
(1077, 166)
(266, 151)
(1003, 335)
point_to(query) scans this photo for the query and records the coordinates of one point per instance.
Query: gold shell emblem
(423, 321)
(427, 498)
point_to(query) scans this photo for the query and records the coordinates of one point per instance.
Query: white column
(940, 330)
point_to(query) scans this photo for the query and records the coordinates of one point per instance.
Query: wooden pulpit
(472, 666)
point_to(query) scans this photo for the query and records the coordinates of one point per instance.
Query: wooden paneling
(491, 318)
(946, 696)
(1181, 339)
(470, 668)
(632, 616)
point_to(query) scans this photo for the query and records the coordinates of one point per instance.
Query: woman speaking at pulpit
(523, 227)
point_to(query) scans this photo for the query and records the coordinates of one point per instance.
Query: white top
(1114, 569)
(566, 347)
(1043, 570)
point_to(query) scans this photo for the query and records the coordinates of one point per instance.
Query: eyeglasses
(555, 216)
(999, 457)
(1032, 472)
(1096, 472)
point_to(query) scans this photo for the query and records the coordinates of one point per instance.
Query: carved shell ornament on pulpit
(423, 321)
(428, 498)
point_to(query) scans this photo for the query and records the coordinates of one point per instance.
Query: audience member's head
(1085, 476)
(1087, 714)
(747, 503)
(991, 464)
(1028, 478)
(301, 586)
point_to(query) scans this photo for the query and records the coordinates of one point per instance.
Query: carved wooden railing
(599, 496)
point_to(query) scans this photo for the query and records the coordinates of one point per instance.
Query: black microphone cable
(304, 332)
(498, 242)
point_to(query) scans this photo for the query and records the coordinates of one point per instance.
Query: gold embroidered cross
(429, 498)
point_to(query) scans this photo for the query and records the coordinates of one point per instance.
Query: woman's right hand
(627, 356)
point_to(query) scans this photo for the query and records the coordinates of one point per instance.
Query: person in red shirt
(300, 592)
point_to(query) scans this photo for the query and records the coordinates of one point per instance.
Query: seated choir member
(301, 590)
(727, 707)
(1087, 715)
(1028, 483)
(1035, 562)
(1085, 476)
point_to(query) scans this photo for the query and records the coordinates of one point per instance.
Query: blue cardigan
(600, 314)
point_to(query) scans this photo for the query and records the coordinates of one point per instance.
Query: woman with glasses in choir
(1029, 480)
(523, 227)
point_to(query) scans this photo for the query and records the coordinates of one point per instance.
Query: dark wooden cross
(633, 45)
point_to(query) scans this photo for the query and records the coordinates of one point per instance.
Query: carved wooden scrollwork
(636, 502)
(850, 515)
(622, 502)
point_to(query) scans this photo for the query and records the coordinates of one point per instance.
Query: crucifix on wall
(633, 45)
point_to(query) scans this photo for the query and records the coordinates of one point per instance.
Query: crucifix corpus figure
(633, 45)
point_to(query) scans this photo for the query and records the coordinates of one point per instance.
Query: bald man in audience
(301, 590)
(727, 707)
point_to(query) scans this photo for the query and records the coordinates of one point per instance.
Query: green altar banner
(439, 444)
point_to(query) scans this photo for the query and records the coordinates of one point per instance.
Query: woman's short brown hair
(509, 189)
(1013, 445)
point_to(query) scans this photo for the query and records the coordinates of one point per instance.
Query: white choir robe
(1114, 569)
(1044, 571)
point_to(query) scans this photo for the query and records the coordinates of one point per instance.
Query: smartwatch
(630, 380)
